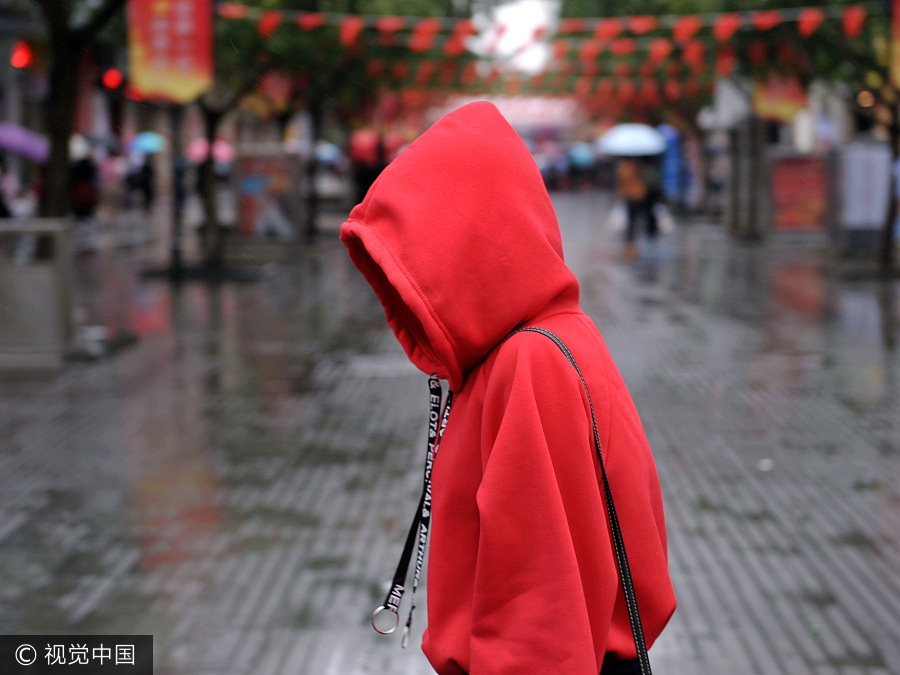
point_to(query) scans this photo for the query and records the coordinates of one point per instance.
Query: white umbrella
(632, 140)
(78, 147)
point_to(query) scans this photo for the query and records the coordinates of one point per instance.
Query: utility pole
(886, 262)
(176, 117)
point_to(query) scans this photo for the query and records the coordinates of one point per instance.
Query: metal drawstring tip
(404, 643)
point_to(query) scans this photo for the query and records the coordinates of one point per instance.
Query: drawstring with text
(418, 531)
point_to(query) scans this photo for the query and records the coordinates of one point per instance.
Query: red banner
(799, 193)
(895, 45)
(170, 48)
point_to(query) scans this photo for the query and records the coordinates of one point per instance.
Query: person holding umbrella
(632, 143)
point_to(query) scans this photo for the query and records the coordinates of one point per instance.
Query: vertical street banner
(895, 44)
(170, 50)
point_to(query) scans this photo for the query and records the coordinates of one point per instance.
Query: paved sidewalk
(239, 482)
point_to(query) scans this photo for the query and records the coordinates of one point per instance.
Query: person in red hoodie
(460, 242)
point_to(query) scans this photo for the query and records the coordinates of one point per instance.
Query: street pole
(893, 86)
(176, 116)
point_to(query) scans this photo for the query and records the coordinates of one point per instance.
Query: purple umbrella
(24, 142)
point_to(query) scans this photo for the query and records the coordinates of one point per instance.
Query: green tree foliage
(324, 75)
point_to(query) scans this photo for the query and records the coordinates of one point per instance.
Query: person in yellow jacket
(639, 198)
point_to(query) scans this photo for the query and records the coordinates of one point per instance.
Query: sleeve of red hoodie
(546, 581)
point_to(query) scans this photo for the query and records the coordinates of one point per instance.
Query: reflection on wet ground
(238, 482)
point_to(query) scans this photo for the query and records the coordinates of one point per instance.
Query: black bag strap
(634, 616)
(417, 536)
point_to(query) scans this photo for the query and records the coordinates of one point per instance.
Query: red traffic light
(22, 56)
(112, 79)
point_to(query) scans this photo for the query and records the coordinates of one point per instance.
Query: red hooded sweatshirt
(460, 242)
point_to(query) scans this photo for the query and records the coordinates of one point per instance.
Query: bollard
(35, 293)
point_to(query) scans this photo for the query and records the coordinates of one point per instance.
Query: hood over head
(460, 242)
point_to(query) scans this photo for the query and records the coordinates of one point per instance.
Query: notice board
(799, 189)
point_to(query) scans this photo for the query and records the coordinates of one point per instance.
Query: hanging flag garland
(387, 27)
(456, 44)
(853, 19)
(639, 25)
(311, 20)
(423, 35)
(766, 19)
(622, 70)
(421, 32)
(726, 61)
(809, 20)
(607, 29)
(567, 26)
(232, 10)
(268, 23)
(589, 50)
(390, 24)
(448, 73)
(623, 46)
(648, 69)
(686, 27)
(351, 28)
(672, 89)
(560, 49)
(660, 49)
(426, 71)
(726, 25)
(678, 49)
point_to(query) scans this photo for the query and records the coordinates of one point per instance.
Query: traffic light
(22, 55)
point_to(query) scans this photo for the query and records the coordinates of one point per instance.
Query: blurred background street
(209, 434)
(238, 483)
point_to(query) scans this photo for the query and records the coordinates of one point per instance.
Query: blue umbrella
(327, 153)
(581, 155)
(147, 143)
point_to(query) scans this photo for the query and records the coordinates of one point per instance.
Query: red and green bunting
(621, 82)
(623, 60)
(421, 34)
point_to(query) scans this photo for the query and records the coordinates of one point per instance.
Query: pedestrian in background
(147, 182)
(640, 199)
(9, 188)
(84, 181)
(460, 242)
(4, 209)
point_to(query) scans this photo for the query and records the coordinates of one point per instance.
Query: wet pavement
(239, 481)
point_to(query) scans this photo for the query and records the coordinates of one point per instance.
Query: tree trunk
(63, 86)
(179, 165)
(65, 56)
(213, 235)
(312, 200)
(702, 176)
